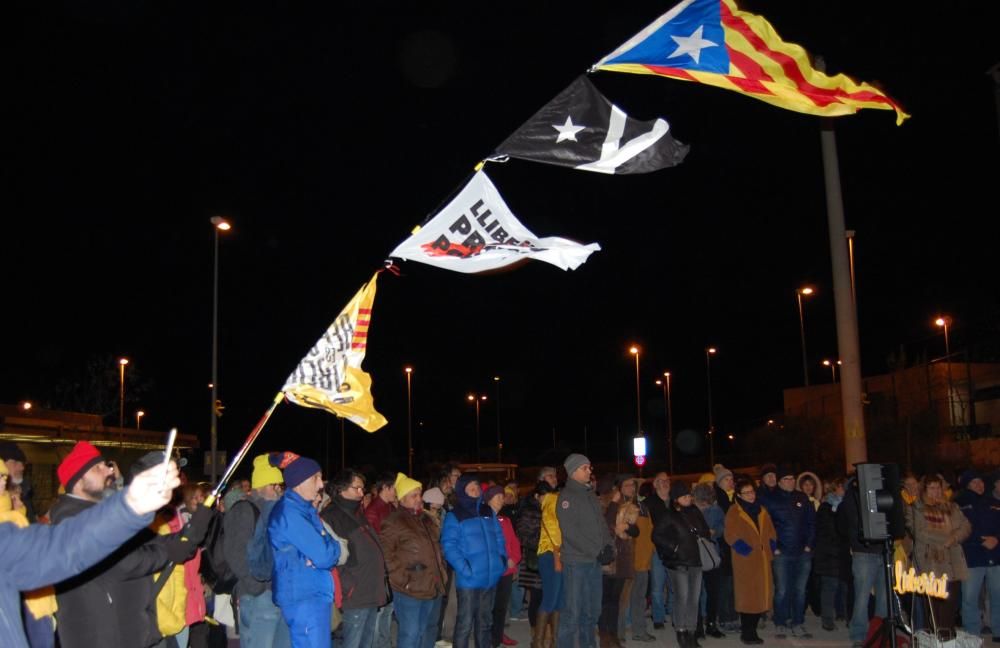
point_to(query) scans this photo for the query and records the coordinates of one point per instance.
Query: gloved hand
(197, 526)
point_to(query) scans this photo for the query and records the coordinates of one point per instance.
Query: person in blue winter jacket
(794, 519)
(472, 541)
(304, 553)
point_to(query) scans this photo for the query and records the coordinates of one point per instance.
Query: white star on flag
(692, 45)
(568, 130)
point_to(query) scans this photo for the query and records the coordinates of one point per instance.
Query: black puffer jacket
(676, 536)
(112, 603)
(830, 557)
(363, 577)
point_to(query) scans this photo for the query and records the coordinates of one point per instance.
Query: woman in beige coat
(751, 536)
(938, 528)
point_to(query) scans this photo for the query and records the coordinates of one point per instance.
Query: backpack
(217, 572)
(260, 555)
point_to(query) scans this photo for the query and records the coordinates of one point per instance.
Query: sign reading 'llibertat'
(909, 581)
(476, 232)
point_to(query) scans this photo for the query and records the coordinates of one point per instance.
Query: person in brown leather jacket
(416, 566)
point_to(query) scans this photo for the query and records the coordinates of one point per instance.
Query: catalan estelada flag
(713, 42)
(330, 377)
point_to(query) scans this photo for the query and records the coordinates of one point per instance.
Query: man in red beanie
(40, 554)
(112, 603)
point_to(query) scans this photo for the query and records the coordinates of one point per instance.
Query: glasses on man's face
(748, 493)
(360, 488)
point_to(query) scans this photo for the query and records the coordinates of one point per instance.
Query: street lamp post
(219, 224)
(138, 419)
(121, 401)
(709, 352)
(668, 410)
(833, 369)
(805, 290)
(496, 379)
(409, 418)
(634, 350)
(944, 322)
(476, 398)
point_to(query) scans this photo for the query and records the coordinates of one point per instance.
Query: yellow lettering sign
(909, 581)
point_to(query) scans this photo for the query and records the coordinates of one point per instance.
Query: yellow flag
(330, 376)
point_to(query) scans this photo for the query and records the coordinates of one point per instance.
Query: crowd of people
(289, 558)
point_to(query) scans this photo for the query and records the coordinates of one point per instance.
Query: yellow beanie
(707, 478)
(264, 473)
(405, 485)
(3, 467)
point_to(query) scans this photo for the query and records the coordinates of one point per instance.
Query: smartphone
(171, 437)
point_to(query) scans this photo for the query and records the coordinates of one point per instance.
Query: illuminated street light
(634, 350)
(944, 322)
(26, 405)
(833, 368)
(121, 400)
(476, 398)
(219, 224)
(805, 290)
(668, 410)
(496, 379)
(409, 416)
(138, 419)
(709, 352)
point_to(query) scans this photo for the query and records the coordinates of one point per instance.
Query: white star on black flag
(581, 129)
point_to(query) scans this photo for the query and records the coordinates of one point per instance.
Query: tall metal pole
(496, 379)
(945, 321)
(477, 429)
(634, 350)
(711, 423)
(121, 402)
(214, 429)
(409, 420)
(670, 428)
(802, 335)
(848, 346)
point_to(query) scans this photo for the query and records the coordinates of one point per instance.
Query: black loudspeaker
(881, 502)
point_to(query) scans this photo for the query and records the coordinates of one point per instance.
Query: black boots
(748, 625)
(713, 631)
(687, 639)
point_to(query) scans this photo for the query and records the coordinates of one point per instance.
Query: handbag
(709, 554)
(607, 555)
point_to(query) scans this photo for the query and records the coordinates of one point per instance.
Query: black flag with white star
(581, 129)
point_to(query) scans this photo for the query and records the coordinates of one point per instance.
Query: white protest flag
(330, 377)
(476, 232)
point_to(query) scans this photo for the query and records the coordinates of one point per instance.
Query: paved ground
(520, 631)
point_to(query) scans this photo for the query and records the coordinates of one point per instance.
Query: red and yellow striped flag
(714, 42)
(330, 376)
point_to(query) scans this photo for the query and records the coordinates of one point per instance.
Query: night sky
(325, 132)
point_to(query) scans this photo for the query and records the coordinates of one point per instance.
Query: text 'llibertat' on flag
(714, 42)
(330, 377)
(477, 232)
(581, 129)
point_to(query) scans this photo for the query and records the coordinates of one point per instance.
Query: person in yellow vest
(40, 604)
(550, 569)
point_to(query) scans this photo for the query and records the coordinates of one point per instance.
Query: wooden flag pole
(238, 458)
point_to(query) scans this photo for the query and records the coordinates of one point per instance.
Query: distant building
(922, 416)
(46, 436)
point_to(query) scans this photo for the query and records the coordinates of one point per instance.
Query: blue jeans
(831, 601)
(552, 583)
(791, 576)
(383, 627)
(261, 624)
(658, 604)
(417, 619)
(868, 571)
(474, 620)
(582, 589)
(358, 627)
(309, 623)
(971, 618)
(516, 600)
